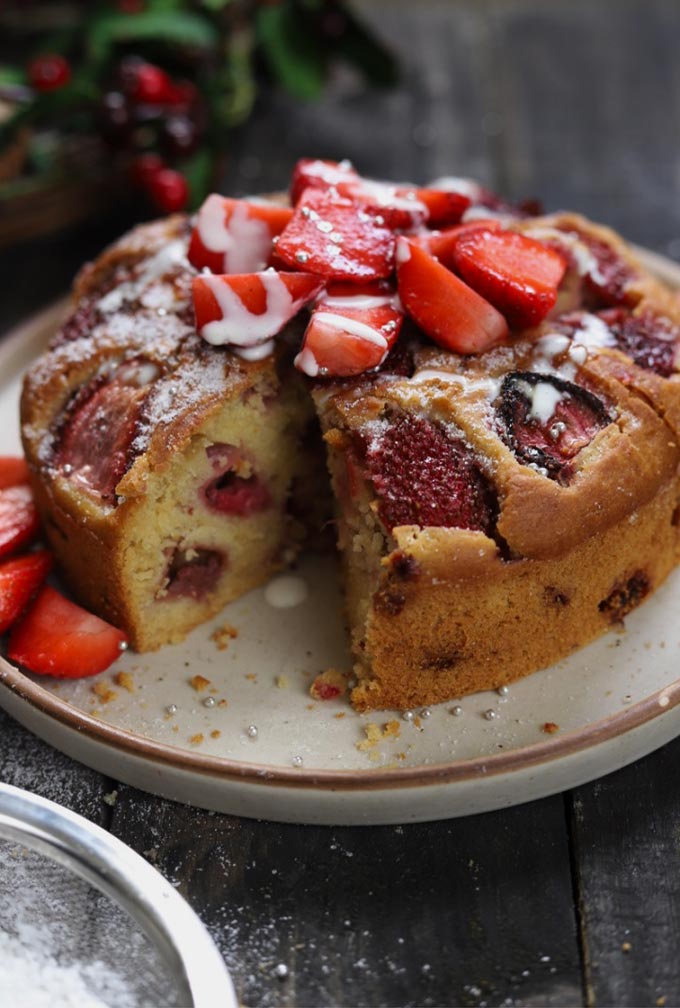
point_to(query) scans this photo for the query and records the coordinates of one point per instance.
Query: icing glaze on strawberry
(193, 572)
(424, 476)
(547, 420)
(235, 236)
(651, 340)
(236, 489)
(607, 277)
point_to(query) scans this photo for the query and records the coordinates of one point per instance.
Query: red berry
(148, 83)
(49, 72)
(145, 168)
(169, 190)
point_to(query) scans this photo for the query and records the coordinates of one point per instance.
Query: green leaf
(150, 25)
(198, 171)
(292, 50)
(215, 5)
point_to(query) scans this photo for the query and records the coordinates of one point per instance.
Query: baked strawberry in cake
(497, 391)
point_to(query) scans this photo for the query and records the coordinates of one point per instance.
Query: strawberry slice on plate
(13, 470)
(518, 275)
(444, 207)
(20, 579)
(312, 173)
(19, 523)
(448, 311)
(235, 236)
(350, 331)
(332, 236)
(246, 311)
(441, 244)
(57, 637)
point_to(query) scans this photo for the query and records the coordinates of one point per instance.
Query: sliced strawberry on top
(441, 244)
(19, 523)
(350, 332)
(57, 637)
(448, 311)
(444, 207)
(311, 173)
(247, 310)
(13, 470)
(332, 236)
(235, 236)
(20, 579)
(518, 275)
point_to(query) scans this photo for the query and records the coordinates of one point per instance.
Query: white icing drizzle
(164, 261)
(352, 326)
(451, 183)
(329, 173)
(245, 241)
(358, 302)
(306, 362)
(586, 262)
(240, 327)
(403, 251)
(544, 398)
(257, 352)
(286, 592)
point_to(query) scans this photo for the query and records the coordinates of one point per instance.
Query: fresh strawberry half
(235, 236)
(19, 523)
(449, 311)
(247, 310)
(350, 332)
(13, 470)
(57, 637)
(444, 207)
(518, 275)
(311, 173)
(546, 420)
(335, 238)
(19, 581)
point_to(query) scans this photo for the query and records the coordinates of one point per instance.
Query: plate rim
(68, 716)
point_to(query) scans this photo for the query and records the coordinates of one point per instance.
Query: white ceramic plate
(301, 761)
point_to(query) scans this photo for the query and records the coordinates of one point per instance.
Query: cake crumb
(661, 1001)
(216, 733)
(250, 676)
(550, 728)
(104, 692)
(328, 685)
(111, 798)
(282, 682)
(125, 681)
(222, 635)
(340, 714)
(197, 739)
(626, 946)
(222, 703)
(199, 683)
(374, 734)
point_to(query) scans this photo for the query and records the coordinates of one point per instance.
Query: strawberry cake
(496, 391)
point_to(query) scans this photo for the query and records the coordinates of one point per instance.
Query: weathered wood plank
(466, 912)
(626, 831)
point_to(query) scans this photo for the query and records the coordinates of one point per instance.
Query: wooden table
(571, 900)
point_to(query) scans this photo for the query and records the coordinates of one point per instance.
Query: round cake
(497, 392)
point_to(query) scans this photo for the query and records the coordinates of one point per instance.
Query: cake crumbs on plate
(340, 714)
(375, 734)
(223, 635)
(550, 728)
(216, 733)
(126, 681)
(197, 739)
(104, 692)
(626, 946)
(328, 685)
(199, 683)
(282, 682)
(111, 798)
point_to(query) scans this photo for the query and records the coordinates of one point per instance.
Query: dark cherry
(228, 492)
(425, 476)
(169, 190)
(49, 72)
(577, 417)
(194, 572)
(651, 340)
